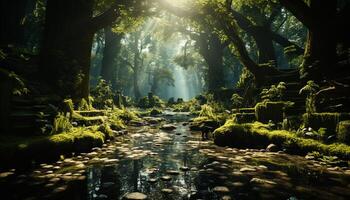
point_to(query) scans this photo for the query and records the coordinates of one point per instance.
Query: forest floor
(168, 161)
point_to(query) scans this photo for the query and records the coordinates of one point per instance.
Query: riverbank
(258, 135)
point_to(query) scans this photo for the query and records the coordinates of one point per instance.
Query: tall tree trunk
(265, 46)
(67, 42)
(212, 50)
(12, 13)
(66, 49)
(137, 92)
(110, 54)
(320, 51)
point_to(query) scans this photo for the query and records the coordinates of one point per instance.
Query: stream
(177, 164)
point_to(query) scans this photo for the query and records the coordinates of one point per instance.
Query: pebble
(166, 178)
(135, 196)
(167, 190)
(221, 189)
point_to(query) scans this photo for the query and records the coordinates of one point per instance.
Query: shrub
(103, 95)
(207, 111)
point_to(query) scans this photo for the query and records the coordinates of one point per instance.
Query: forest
(174, 99)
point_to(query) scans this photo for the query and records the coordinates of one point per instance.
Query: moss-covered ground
(258, 135)
(21, 151)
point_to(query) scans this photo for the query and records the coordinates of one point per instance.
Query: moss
(258, 135)
(21, 151)
(266, 111)
(324, 120)
(343, 131)
(106, 130)
(198, 123)
(90, 121)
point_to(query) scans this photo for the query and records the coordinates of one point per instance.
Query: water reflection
(149, 155)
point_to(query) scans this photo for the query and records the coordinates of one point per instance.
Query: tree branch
(301, 11)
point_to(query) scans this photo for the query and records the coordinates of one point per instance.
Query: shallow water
(247, 174)
(197, 170)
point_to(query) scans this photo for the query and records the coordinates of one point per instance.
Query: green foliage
(102, 95)
(192, 106)
(310, 90)
(274, 93)
(207, 111)
(150, 102)
(61, 124)
(125, 114)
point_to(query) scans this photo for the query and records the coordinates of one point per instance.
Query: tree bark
(67, 42)
(66, 48)
(110, 54)
(320, 51)
(212, 50)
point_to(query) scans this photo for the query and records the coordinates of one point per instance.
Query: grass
(21, 151)
(258, 135)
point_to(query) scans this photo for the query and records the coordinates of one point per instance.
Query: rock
(167, 190)
(272, 148)
(262, 181)
(309, 134)
(102, 196)
(184, 168)
(168, 127)
(152, 180)
(247, 169)
(331, 138)
(226, 197)
(221, 189)
(135, 196)
(166, 178)
(173, 172)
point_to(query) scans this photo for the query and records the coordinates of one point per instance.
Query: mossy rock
(200, 122)
(343, 131)
(266, 111)
(324, 120)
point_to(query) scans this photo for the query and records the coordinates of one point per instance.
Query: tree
(110, 54)
(68, 36)
(325, 24)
